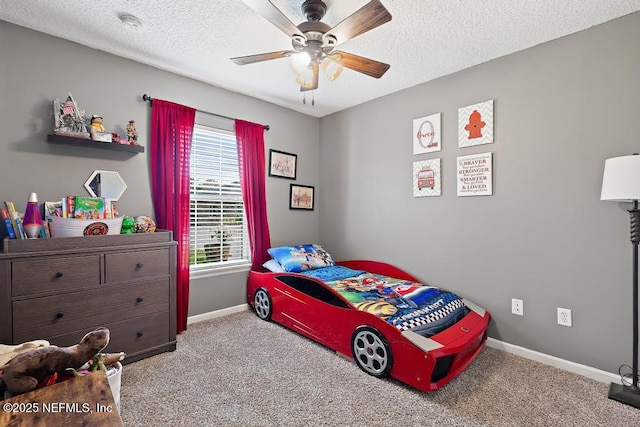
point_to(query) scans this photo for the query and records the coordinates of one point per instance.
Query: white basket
(73, 227)
(114, 377)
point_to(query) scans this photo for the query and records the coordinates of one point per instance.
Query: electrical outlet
(517, 307)
(564, 317)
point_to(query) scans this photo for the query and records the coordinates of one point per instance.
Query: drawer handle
(139, 299)
(139, 265)
(59, 274)
(59, 315)
(139, 334)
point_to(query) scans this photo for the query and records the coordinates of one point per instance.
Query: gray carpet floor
(241, 371)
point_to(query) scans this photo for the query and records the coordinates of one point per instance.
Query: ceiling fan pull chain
(313, 98)
(304, 98)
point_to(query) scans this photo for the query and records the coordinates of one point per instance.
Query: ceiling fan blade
(314, 81)
(361, 64)
(250, 59)
(272, 14)
(368, 17)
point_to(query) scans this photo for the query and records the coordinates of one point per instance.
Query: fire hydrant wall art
(475, 124)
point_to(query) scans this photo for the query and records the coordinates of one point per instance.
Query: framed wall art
(426, 134)
(426, 178)
(475, 175)
(475, 124)
(301, 197)
(282, 165)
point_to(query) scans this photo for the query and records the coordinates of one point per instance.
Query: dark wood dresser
(59, 289)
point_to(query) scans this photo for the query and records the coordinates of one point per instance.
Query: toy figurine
(96, 124)
(128, 225)
(144, 224)
(132, 133)
(97, 130)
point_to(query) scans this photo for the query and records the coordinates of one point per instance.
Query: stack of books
(81, 207)
(12, 221)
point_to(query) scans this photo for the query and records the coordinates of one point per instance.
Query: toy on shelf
(98, 132)
(128, 225)
(132, 133)
(96, 123)
(144, 224)
(68, 119)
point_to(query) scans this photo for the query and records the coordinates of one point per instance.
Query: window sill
(197, 272)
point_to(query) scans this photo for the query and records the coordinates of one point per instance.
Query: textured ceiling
(424, 40)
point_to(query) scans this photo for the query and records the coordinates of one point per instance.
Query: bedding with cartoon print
(423, 309)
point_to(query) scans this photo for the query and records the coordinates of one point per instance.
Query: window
(218, 224)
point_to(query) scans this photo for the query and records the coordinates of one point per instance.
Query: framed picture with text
(475, 175)
(426, 134)
(282, 165)
(301, 197)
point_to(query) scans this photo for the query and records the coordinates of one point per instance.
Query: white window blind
(218, 225)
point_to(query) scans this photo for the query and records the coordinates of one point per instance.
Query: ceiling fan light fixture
(313, 41)
(305, 78)
(331, 68)
(300, 62)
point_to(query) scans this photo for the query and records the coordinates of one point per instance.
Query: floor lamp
(621, 183)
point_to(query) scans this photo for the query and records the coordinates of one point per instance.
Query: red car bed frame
(313, 309)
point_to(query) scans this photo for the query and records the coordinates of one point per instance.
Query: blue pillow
(295, 259)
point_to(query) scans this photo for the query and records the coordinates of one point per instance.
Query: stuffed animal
(8, 352)
(96, 124)
(24, 371)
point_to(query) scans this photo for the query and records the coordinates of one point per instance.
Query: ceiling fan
(314, 41)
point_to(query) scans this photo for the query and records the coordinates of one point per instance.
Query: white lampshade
(300, 62)
(621, 179)
(331, 67)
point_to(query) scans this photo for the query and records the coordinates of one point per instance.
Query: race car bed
(386, 319)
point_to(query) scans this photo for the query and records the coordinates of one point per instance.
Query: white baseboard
(576, 368)
(218, 313)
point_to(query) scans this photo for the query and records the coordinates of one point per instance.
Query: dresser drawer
(134, 335)
(40, 275)
(39, 318)
(136, 265)
(130, 336)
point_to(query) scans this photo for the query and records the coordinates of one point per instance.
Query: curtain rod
(148, 99)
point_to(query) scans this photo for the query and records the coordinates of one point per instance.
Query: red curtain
(171, 132)
(250, 137)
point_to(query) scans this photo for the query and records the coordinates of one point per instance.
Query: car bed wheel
(262, 304)
(371, 351)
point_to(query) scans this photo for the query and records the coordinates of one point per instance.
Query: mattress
(406, 305)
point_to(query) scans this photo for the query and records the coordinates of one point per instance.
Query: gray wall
(561, 109)
(36, 68)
